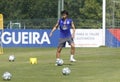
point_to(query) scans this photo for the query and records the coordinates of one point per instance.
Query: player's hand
(73, 36)
(50, 34)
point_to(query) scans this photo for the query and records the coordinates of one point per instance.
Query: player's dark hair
(64, 12)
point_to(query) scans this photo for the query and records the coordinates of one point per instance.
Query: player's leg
(71, 43)
(72, 52)
(60, 46)
(58, 53)
(72, 48)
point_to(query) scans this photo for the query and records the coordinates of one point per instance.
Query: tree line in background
(84, 12)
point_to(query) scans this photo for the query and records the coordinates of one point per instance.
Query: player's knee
(72, 45)
(59, 50)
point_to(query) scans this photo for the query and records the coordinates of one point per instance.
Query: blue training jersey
(65, 26)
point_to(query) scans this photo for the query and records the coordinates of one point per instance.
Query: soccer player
(65, 24)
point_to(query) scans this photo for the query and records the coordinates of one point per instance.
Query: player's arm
(54, 28)
(73, 29)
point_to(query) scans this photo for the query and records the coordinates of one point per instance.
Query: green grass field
(93, 65)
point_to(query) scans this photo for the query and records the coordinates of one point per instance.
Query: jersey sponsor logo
(64, 27)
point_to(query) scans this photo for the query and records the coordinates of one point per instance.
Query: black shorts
(62, 42)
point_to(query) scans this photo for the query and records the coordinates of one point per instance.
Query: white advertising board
(87, 38)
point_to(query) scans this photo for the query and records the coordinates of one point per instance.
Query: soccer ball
(66, 71)
(11, 58)
(7, 76)
(59, 62)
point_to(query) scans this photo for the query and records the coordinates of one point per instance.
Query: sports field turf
(93, 65)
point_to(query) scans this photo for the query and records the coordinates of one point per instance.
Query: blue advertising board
(29, 38)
